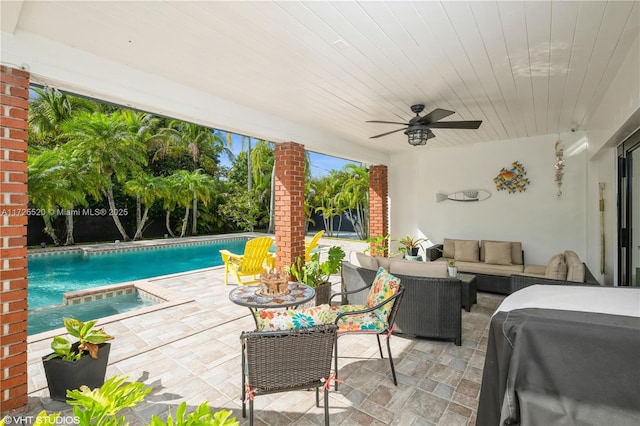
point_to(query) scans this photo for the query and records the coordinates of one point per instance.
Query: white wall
(616, 118)
(544, 223)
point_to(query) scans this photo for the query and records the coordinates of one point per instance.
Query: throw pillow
(290, 319)
(556, 268)
(575, 267)
(497, 253)
(466, 251)
(384, 286)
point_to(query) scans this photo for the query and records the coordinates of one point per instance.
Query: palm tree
(326, 198)
(147, 189)
(104, 143)
(48, 110)
(356, 197)
(192, 187)
(263, 175)
(53, 183)
(142, 127)
(201, 145)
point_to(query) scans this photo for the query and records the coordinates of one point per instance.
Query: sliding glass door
(629, 211)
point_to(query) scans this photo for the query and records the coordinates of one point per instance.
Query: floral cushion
(368, 321)
(384, 286)
(279, 320)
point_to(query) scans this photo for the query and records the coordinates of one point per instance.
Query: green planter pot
(63, 375)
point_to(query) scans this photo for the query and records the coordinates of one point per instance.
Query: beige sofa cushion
(465, 251)
(449, 248)
(484, 268)
(419, 269)
(535, 270)
(497, 252)
(575, 267)
(362, 260)
(516, 251)
(385, 262)
(556, 268)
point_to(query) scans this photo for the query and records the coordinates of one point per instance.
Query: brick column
(289, 205)
(378, 203)
(14, 103)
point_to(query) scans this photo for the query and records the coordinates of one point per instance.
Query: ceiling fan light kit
(418, 129)
(417, 135)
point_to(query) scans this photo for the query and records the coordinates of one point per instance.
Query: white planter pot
(453, 271)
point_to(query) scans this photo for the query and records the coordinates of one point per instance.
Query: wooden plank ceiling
(524, 68)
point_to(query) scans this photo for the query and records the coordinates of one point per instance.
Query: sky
(321, 164)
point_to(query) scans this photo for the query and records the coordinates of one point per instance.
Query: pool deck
(190, 351)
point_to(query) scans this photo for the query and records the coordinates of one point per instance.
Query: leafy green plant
(88, 337)
(452, 262)
(314, 272)
(377, 246)
(201, 416)
(100, 406)
(410, 242)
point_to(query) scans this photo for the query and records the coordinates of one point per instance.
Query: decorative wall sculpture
(512, 179)
(559, 166)
(466, 195)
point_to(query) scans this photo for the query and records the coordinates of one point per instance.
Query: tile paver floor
(191, 352)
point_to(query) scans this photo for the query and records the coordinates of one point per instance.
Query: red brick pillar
(378, 204)
(289, 205)
(14, 102)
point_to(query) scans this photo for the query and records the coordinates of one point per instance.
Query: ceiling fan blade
(435, 115)
(473, 124)
(387, 122)
(388, 133)
(430, 134)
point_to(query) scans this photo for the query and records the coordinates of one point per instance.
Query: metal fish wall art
(465, 195)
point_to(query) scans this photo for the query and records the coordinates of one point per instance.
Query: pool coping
(141, 244)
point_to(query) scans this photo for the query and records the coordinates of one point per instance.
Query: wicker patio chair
(281, 361)
(368, 314)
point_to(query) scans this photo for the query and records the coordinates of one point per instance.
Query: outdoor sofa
(492, 262)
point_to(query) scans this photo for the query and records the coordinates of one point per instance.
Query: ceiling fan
(418, 129)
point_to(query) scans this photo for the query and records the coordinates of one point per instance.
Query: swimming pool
(49, 318)
(52, 275)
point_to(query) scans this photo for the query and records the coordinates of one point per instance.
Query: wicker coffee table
(469, 291)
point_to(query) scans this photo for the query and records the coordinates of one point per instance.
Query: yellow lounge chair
(251, 263)
(311, 245)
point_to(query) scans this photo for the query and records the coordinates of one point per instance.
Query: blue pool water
(49, 318)
(52, 275)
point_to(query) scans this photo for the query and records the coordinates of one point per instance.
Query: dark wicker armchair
(385, 329)
(431, 306)
(280, 361)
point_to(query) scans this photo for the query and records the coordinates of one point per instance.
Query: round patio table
(251, 297)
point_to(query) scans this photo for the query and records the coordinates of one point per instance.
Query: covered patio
(191, 352)
(308, 75)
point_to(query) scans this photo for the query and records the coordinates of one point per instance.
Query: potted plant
(453, 269)
(411, 244)
(316, 274)
(72, 365)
